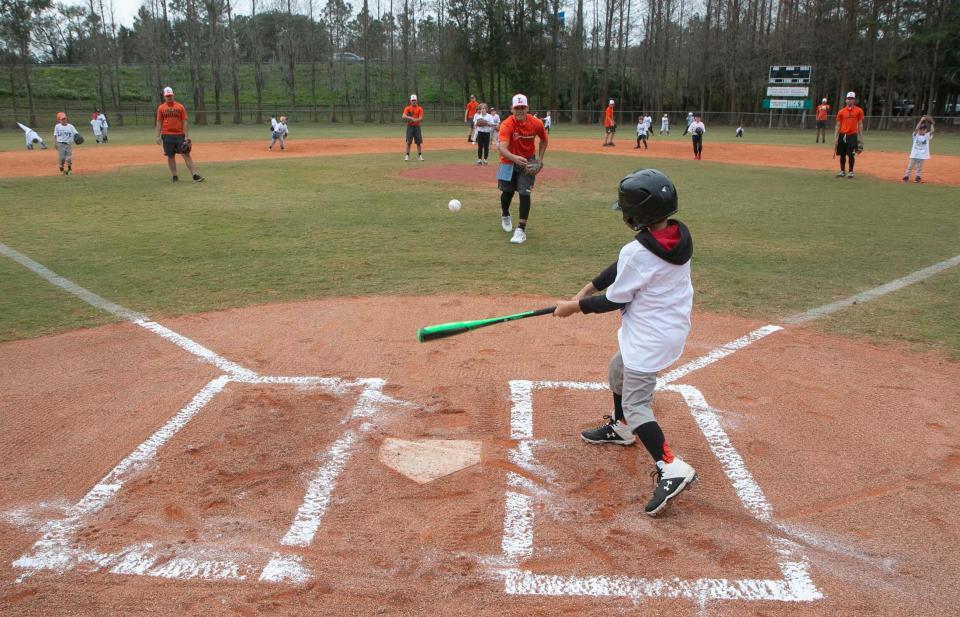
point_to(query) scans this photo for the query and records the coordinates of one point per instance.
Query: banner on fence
(788, 91)
(787, 104)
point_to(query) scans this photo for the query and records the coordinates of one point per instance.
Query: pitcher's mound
(470, 174)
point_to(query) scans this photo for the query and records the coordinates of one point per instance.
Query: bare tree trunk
(258, 80)
(234, 79)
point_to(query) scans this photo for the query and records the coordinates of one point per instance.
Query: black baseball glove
(78, 139)
(533, 167)
(859, 146)
(186, 146)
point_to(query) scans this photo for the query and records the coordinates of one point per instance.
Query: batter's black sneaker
(671, 479)
(198, 178)
(174, 179)
(611, 432)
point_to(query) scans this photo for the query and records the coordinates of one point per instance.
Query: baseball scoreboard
(796, 74)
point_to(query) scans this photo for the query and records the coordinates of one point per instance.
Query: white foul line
(872, 294)
(122, 312)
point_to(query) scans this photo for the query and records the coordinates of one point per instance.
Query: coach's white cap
(519, 100)
(611, 101)
(168, 91)
(851, 95)
(824, 99)
(413, 97)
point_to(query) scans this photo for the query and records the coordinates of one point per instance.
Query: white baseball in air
(454, 205)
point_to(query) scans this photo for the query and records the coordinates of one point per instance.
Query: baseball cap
(851, 95)
(519, 100)
(824, 99)
(168, 91)
(611, 101)
(413, 97)
(61, 115)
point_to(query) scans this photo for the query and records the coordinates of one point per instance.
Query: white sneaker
(519, 236)
(421, 156)
(671, 480)
(506, 223)
(479, 161)
(406, 157)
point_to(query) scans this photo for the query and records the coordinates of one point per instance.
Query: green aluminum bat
(431, 333)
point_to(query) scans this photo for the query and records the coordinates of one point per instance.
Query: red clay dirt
(942, 169)
(855, 447)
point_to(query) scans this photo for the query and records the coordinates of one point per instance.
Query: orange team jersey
(171, 117)
(822, 111)
(472, 109)
(849, 120)
(608, 117)
(520, 136)
(413, 112)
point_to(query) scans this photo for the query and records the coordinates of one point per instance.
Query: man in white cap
(823, 110)
(518, 164)
(413, 114)
(173, 132)
(609, 124)
(848, 138)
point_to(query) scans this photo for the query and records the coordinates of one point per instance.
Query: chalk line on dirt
(517, 542)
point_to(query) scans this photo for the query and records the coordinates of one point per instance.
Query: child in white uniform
(642, 129)
(278, 132)
(920, 152)
(665, 124)
(650, 285)
(64, 135)
(104, 126)
(95, 126)
(31, 137)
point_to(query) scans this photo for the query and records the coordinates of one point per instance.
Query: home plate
(426, 460)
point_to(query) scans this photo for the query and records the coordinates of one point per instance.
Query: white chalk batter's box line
(58, 549)
(517, 543)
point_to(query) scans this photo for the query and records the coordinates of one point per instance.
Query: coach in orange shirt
(609, 124)
(173, 132)
(849, 134)
(518, 165)
(823, 110)
(413, 114)
(468, 113)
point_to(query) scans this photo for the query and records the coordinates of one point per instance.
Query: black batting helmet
(646, 196)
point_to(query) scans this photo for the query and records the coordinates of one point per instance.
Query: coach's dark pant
(697, 144)
(847, 148)
(483, 145)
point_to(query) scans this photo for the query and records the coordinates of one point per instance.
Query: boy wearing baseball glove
(920, 152)
(173, 133)
(64, 136)
(650, 285)
(278, 132)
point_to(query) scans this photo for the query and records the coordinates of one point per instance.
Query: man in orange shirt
(413, 114)
(468, 113)
(609, 125)
(518, 165)
(174, 133)
(848, 135)
(823, 110)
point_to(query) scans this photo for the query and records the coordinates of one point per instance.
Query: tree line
(570, 55)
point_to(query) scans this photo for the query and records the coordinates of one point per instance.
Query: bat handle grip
(543, 311)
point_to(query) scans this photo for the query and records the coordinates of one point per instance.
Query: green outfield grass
(768, 242)
(883, 141)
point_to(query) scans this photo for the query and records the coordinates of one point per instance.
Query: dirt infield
(848, 472)
(941, 169)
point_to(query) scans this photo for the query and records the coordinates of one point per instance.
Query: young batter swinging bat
(444, 330)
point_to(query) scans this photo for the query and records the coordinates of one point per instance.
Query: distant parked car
(346, 56)
(903, 108)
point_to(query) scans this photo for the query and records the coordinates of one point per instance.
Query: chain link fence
(142, 114)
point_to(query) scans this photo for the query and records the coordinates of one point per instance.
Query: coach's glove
(533, 167)
(78, 139)
(859, 147)
(186, 146)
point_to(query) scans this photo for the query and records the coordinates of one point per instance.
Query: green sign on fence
(787, 104)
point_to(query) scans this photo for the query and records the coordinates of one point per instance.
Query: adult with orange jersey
(849, 134)
(609, 125)
(519, 165)
(823, 110)
(413, 114)
(173, 132)
(468, 113)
